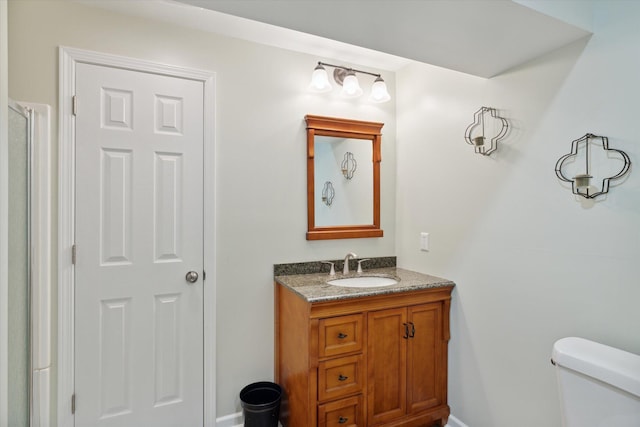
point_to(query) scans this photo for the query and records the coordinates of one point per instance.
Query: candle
(478, 140)
(582, 181)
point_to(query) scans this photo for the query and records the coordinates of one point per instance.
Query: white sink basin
(363, 282)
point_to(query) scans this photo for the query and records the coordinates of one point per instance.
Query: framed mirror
(343, 178)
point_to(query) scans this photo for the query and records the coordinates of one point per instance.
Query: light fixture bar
(342, 67)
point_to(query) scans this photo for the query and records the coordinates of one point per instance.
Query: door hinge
(73, 403)
(204, 275)
(73, 254)
(74, 105)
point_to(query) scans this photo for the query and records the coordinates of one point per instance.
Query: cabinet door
(386, 365)
(425, 353)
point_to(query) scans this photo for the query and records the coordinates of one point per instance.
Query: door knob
(192, 277)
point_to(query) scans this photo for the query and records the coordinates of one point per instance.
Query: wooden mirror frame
(343, 128)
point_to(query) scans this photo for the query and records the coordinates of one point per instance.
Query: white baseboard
(454, 422)
(233, 420)
(236, 420)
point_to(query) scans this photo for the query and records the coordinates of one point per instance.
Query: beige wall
(261, 101)
(532, 263)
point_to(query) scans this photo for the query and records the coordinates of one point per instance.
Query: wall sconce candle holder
(348, 165)
(479, 139)
(346, 77)
(581, 183)
(328, 193)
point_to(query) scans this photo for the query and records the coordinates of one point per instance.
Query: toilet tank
(599, 385)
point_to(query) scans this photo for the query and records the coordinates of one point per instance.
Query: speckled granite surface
(314, 287)
(319, 267)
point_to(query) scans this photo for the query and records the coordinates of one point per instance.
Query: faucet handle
(360, 261)
(332, 272)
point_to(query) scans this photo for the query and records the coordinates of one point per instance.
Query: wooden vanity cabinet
(363, 362)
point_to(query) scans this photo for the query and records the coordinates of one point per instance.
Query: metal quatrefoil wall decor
(493, 127)
(581, 182)
(328, 193)
(349, 165)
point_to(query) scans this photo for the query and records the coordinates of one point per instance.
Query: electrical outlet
(424, 241)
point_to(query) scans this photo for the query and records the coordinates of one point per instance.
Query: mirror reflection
(347, 164)
(343, 178)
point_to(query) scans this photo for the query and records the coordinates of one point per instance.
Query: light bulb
(379, 91)
(319, 80)
(350, 86)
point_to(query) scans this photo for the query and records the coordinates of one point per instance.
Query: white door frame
(69, 58)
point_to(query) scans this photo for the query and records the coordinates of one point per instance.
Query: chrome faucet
(350, 255)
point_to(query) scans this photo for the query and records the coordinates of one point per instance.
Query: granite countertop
(314, 287)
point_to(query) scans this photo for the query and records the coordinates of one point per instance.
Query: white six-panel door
(139, 231)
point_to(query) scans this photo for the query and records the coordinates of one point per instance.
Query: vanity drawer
(340, 335)
(340, 377)
(342, 413)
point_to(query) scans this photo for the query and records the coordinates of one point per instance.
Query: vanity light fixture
(478, 138)
(346, 77)
(581, 183)
(348, 165)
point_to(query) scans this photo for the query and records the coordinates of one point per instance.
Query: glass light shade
(320, 80)
(350, 86)
(379, 91)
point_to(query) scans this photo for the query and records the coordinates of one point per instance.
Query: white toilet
(599, 385)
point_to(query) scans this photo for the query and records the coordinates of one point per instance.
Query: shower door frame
(39, 259)
(41, 262)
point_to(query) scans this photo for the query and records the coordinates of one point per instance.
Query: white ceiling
(478, 37)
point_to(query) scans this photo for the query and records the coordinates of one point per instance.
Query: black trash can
(261, 404)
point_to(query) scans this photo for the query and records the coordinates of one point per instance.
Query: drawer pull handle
(406, 331)
(413, 330)
(343, 420)
(342, 378)
(342, 336)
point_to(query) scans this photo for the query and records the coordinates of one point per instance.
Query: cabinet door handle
(406, 331)
(342, 378)
(342, 336)
(342, 420)
(413, 330)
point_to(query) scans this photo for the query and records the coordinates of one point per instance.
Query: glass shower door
(19, 266)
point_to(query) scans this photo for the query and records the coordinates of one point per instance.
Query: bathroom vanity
(362, 356)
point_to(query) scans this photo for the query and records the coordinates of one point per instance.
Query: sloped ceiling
(478, 37)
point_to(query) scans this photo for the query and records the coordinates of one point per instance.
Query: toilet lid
(613, 366)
